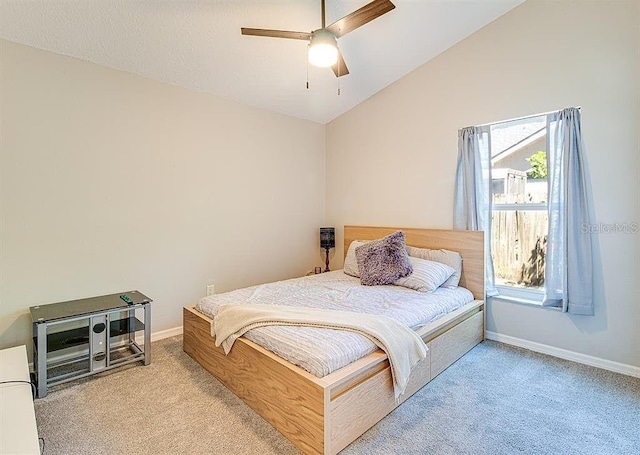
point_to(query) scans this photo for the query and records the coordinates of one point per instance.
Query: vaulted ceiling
(198, 45)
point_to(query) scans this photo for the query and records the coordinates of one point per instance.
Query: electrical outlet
(211, 289)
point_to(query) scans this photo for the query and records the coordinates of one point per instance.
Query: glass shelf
(80, 336)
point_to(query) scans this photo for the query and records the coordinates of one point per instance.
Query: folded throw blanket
(403, 346)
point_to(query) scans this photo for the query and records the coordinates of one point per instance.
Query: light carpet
(495, 400)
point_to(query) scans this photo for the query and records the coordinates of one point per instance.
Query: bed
(324, 415)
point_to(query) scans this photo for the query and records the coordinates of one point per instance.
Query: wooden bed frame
(324, 415)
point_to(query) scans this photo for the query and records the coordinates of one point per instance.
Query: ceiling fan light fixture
(323, 49)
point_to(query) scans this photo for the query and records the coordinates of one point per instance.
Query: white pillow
(450, 258)
(350, 266)
(427, 275)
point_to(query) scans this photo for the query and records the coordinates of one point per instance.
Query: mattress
(321, 351)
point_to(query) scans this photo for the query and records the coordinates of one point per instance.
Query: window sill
(518, 300)
(522, 296)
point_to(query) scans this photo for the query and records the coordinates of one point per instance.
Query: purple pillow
(383, 261)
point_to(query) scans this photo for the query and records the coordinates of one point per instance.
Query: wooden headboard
(470, 245)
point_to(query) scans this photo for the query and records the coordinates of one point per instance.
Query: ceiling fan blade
(340, 67)
(275, 33)
(360, 17)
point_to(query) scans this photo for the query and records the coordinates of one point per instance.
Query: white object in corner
(18, 432)
(211, 289)
(585, 359)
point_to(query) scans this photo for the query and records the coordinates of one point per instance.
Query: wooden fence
(518, 245)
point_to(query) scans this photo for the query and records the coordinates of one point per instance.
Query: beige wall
(113, 182)
(110, 181)
(391, 160)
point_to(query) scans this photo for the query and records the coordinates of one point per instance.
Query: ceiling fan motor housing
(323, 48)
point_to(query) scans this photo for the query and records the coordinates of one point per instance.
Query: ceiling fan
(323, 45)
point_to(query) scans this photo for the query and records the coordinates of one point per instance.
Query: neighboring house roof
(510, 137)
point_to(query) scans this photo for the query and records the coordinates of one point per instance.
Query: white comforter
(403, 345)
(320, 350)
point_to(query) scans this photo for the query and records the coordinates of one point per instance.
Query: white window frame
(530, 296)
(520, 295)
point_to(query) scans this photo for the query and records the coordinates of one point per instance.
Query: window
(519, 219)
(535, 230)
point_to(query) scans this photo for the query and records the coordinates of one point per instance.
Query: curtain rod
(521, 118)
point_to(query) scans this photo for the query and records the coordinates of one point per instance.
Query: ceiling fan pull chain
(307, 74)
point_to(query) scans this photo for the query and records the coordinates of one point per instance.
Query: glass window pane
(519, 176)
(518, 246)
(519, 161)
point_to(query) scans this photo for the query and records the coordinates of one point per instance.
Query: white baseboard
(161, 335)
(598, 362)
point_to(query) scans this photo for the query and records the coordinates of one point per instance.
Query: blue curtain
(568, 271)
(472, 200)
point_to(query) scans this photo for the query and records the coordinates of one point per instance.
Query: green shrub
(538, 162)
